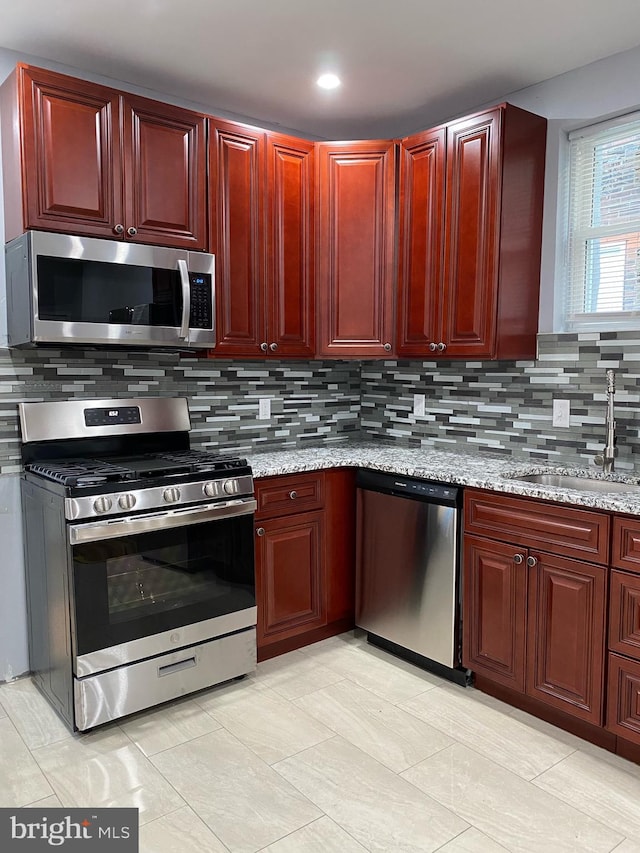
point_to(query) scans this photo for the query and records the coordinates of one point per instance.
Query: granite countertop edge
(474, 470)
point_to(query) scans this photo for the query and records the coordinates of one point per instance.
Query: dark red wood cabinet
(623, 704)
(86, 159)
(305, 540)
(470, 237)
(262, 234)
(356, 237)
(534, 621)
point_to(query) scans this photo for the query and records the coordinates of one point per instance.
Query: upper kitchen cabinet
(262, 233)
(85, 159)
(470, 289)
(356, 209)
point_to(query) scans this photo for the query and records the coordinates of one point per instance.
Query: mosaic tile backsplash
(496, 407)
(506, 407)
(310, 401)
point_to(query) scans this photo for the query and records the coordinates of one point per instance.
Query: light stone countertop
(480, 471)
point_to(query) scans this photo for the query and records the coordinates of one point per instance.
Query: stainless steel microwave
(63, 289)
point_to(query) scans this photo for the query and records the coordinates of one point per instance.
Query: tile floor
(337, 748)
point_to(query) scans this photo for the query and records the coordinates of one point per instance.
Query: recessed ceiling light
(328, 81)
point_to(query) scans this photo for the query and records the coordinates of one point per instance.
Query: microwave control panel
(200, 316)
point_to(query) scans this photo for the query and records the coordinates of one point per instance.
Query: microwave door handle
(186, 298)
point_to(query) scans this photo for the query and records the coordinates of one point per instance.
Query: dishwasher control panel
(394, 484)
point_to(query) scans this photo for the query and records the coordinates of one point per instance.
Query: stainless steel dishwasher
(407, 570)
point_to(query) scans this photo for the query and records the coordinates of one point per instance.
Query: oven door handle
(111, 529)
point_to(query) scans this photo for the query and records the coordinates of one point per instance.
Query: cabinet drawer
(623, 704)
(563, 530)
(277, 496)
(625, 548)
(624, 614)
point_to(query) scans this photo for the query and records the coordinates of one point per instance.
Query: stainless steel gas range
(139, 557)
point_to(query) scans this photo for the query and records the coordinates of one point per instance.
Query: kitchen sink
(582, 484)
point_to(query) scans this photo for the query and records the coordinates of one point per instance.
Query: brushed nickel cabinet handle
(531, 562)
(118, 229)
(264, 346)
(518, 559)
(293, 495)
(273, 347)
(132, 231)
(442, 347)
(387, 347)
(260, 531)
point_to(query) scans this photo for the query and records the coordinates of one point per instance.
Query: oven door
(147, 584)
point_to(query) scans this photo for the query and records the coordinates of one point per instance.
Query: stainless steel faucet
(608, 455)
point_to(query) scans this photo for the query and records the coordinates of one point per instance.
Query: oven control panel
(108, 417)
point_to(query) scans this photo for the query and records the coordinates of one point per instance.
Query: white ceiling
(405, 64)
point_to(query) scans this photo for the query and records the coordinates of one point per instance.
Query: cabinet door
(290, 588)
(289, 246)
(495, 595)
(71, 166)
(472, 231)
(566, 635)
(236, 173)
(422, 166)
(165, 174)
(623, 698)
(356, 236)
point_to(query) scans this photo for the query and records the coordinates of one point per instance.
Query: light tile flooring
(337, 748)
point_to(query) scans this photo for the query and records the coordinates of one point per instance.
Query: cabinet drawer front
(278, 496)
(625, 548)
(536, 524)
(624, 614)
(623, 706)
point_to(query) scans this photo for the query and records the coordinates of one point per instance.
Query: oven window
(135, 586)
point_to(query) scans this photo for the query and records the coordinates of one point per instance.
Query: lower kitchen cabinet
(305, 543)
(534, 621)
(623, 698)
(623, 688)
(291, 592)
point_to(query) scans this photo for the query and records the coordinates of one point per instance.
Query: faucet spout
(606, 459)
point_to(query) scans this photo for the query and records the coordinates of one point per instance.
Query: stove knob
(210, 490)
(127, 501)
(230, 486)
(102, 505)
(171, 495)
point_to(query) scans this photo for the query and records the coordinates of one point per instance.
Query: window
(603, 249)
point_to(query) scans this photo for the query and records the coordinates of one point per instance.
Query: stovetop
(149, 467)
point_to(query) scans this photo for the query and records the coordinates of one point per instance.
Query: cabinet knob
(293, 495)
(433, 347)
(273, 347)
(132, 231)
(441, 347)
(118, 229)
(387, 347)
(531, 562)
(264, 346)
(518, 559)
(260, 531)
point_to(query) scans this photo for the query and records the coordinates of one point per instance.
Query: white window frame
(575, 237)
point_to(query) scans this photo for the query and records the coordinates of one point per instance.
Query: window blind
(603, 248)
